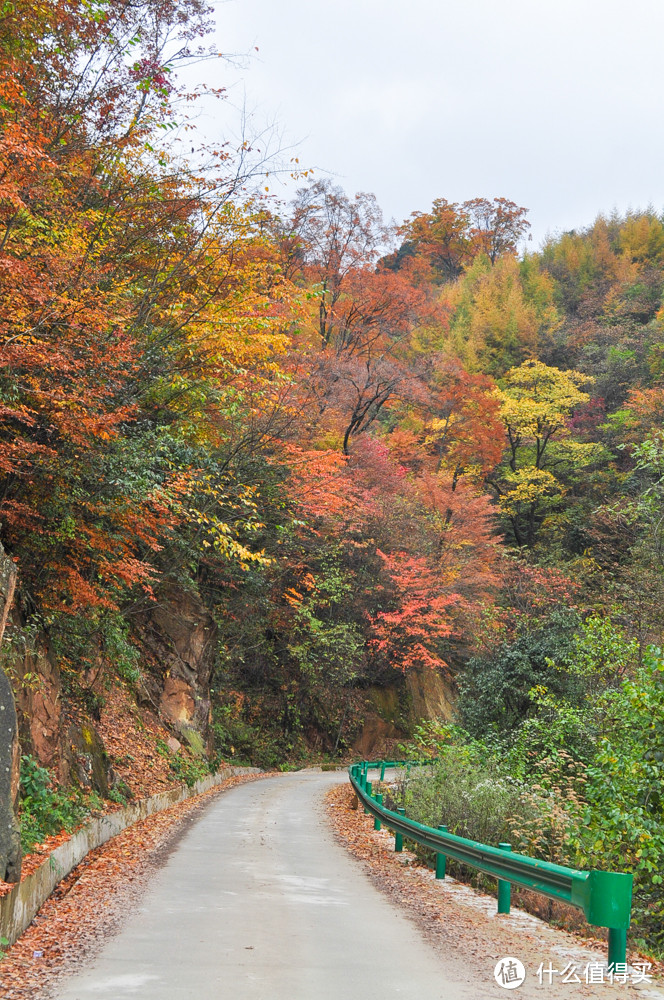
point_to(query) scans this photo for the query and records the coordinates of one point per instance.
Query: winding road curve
(259, 902)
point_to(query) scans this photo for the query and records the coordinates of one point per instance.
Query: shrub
(473, 800)
(494, 691)
(185, 768)
(45, 809)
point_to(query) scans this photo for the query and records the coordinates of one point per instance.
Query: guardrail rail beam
(604, 897)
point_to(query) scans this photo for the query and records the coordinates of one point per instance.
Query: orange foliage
(410, 635)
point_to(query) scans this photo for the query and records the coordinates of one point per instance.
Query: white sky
(555, 104)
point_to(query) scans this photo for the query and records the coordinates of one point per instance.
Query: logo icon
(509, 973)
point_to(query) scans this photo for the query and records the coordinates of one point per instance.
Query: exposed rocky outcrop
(391, 710)
(87, 759)
(176, 638)
(180, 637)
(10, 837)
(7, 588)
(382, 722)
(376, 736)
(431, 695)
(39, 702)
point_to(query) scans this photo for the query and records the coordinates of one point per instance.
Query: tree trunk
(10, 754)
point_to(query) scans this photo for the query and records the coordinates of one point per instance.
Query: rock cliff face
(179, 635)
(10, 837)
(7, 587)
(73, 735)
(39, 702)
(432, 695)
(390, 711)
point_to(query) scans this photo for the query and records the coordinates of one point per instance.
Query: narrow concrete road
(258, 902)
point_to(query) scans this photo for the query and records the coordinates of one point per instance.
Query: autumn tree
(414, 634)
(496, 227)
(463, 428)
(441, 244)
(499, 315)
(439, 240)
(335, 237)
(366, 367)
(453, 425)
(536, 402)
(124, 266)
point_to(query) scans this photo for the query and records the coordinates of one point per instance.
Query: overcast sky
(555, 105)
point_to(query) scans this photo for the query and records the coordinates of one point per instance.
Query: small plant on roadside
(549, 809)
(186, 769)
(120, 793)
(44, 808)
(472, 799)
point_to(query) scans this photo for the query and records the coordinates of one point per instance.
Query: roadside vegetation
(575, 780)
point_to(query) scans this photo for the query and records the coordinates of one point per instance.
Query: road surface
(259, 902)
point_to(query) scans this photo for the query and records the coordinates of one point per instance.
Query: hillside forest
(272, 466)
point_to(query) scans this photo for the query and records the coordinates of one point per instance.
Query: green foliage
(185, 768)
(81, 641)
(325, 646)
(589, 760)
(430, 737)
(622, 824)
(483, 789)
(495, 690)
(119, 650)
(262, 743)
(120, 793)
(44, 808)
(234, 737)
(604, 654)
(557, 729)
(471, 797)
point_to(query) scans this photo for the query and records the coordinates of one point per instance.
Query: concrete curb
(18, 907)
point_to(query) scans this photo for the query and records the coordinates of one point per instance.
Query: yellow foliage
(527, 487)
(642, 238)
(498, 318)
(536, 400)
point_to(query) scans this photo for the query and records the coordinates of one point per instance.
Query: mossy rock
(89, 760)
(386, 702)
(195, 741)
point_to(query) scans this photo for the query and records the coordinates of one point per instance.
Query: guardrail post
(441, 860)
(617, 946)
(504, 887)
(367, 788)
(379, 800)
(382, 770)
(398, 837)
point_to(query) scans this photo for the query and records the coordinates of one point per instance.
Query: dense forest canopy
(367, 450)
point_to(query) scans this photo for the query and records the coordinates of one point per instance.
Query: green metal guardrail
(604, 897)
